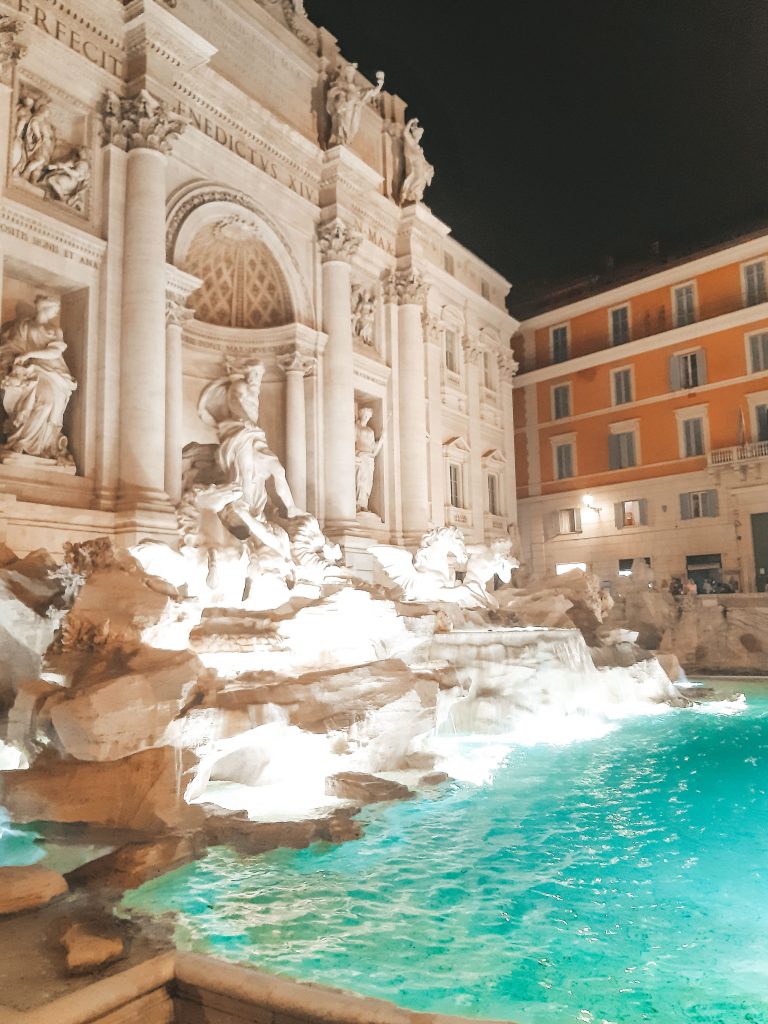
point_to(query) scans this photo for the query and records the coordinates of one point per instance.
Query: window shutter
(577, 520)
(685, 506)
(618, 514)
(755, 352)
(761, 414)
(643, 511)
(613, 451)
(701, 366)
(712, 508)
(674, 373)
(631, 453)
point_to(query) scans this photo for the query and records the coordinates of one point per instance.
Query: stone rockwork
(27, 888)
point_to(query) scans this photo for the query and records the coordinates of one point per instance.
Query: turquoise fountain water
(615, 881)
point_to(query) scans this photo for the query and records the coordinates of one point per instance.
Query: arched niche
(209, 213)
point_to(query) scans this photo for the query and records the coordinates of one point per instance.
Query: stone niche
(50, 152)
(20, 286)
(376, 502)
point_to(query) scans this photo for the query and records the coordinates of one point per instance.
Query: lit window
(622, 386)
(622, 450)
(687, 370)
(563, 461)
(561, 401)
(683, 302)
(699, 505)
(625, 565)
(754, 283)
(620, 325)
(451, 351)
(569, 520)
(563, 567)
(693, 437)
(758, 352)
(559, 343)
(630, 513)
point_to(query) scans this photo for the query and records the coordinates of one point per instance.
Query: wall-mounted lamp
(589, 502)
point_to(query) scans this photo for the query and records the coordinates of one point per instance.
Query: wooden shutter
(643, 511)
(711, 506)
(614, 459)
(577, 520)
(685, 506)
(618, 515)
(701, 366)
(674, 373)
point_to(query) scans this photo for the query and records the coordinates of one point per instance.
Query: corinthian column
(337, 246)
(411, 292)
(145, 128)
(296, 366)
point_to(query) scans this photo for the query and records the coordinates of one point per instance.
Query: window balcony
(457, 516)
(738, 454)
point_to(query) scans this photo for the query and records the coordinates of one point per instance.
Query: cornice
(17, 221)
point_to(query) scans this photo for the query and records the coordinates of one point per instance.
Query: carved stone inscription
(75, 38)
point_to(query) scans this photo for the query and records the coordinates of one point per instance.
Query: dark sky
(567, 131)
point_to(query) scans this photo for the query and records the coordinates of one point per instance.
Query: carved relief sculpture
(345, 102)
(68, 179)
(366, 450)
(36, 383)
(418, 170)
(34, 142)
(363, 311)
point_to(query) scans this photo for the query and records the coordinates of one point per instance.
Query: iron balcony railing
(738, 453)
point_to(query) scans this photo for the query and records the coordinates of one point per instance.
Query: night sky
(564, 132)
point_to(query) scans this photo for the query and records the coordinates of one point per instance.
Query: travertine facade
(208, 183)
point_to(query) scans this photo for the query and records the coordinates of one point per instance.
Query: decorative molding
(11, 49)
(17, 221)
(296, 362)
(410, 287)
(140, 122)
(176, 314)
(508, 365)
(336, 242)
(473, 348)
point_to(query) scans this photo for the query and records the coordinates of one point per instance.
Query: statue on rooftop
(345, 102)
(418, 170)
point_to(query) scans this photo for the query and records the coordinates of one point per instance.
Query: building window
(630, 513)
(455, 483)
(698, 505)
(687, 370)
(489, 377)
(569, 520)
(620, 325)
(754, 283)
(561, 401)
(622, 450)
(622, 386)
(692, 437)
(452, 351)
(563, 460)
(758, 352)
(761, 422)
(683, 307)
(625, 564)
(448, 262)
(561, 568)
(559, 336)
(494, 507)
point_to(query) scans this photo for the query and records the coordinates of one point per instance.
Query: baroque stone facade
(210, 184)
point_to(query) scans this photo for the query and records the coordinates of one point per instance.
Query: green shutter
(685, 506)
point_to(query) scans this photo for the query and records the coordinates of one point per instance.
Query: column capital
(176, 314)
(336, 241)
(472, 348)
(508, 365)
(11, 49)
(410, 287)
(296, 362)
(140, 122)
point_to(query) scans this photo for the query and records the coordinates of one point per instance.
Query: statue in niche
(366, 450)
(36, 383)
(34, 139)
(418, 170)
(345, 102)
(363, 312)
(68, 179)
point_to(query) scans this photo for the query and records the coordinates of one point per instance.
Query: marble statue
(231, 405)
(486, 561)
(34, 139)
(345, 102)
(367, 447)
(68, 179)
(418, 170)
(36, 383)
(427, 575)
(363, 313)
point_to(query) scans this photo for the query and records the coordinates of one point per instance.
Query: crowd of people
(679, 587)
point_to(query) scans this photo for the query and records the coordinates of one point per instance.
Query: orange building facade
(642, 425)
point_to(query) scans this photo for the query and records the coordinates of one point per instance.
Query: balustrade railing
(738, 453)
